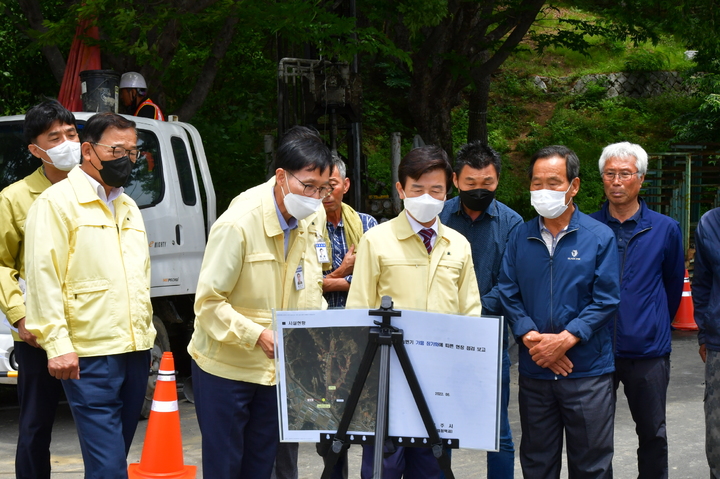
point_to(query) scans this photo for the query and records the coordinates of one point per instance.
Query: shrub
(646, 61)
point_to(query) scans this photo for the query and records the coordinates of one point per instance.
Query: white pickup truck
(174, 190)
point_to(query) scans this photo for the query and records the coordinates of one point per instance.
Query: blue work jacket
(652, 272)
(575, 289)
(706, 279)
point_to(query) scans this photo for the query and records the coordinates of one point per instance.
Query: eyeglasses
(310, 190)
(119, 151)
(623, 175)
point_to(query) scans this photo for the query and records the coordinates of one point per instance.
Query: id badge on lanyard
(322, 251)
(299, 278)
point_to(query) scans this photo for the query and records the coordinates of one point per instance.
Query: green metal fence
(684, 184)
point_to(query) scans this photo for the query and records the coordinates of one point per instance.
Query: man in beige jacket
(423, 266)
(263, 253)
(88, 293)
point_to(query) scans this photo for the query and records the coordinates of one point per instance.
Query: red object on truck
(82, 57)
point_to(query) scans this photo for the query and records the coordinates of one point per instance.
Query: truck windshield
(16, 162)
(145, 185)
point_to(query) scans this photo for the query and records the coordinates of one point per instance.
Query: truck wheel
(162, 344)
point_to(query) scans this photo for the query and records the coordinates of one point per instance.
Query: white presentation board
(457, 361)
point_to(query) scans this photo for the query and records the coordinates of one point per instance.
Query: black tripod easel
(384, 337)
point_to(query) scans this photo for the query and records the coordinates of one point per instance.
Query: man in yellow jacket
(88, 293)
(423, 266)
(265, 252)
(51, 135)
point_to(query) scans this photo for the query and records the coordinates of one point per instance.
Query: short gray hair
(624, 150)
(340, 165)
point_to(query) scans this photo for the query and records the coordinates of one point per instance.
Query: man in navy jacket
(650, 250)
(706, 298)
(487, 224)
(559, 287)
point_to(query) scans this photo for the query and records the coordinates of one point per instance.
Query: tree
(453, 45)
(154, 37)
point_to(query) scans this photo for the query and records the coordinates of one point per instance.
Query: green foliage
(395, 77)
(694, 23)
(702, 124)
(233, 147)
(24, 75)
(510, 96)
(422, 13)
(460, 116)
(236, 116)
(379, 160)
(576, 36)
(574, 42)
(379, 121)
(377, 115)
(646, 61)
(513, 189)
(500, 127)
(588, 131)
(592, 97)
(512, 85)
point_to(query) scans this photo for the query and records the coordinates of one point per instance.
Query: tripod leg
(383, 404)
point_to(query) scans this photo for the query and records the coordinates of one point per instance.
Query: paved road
(685, 426)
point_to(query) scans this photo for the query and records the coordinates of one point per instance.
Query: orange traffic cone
(685, 317)
(162, 455)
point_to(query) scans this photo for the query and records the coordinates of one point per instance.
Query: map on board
(321, 365)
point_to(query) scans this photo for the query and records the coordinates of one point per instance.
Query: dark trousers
(286, 459)
(409, 462)
(584, 410)
(239, 426)
(645, 382)
(38, 396)
(106, 402)
(501, 464)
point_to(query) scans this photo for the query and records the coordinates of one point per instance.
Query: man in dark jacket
(487, 224)
(706, 298)
(650, 250)
(559, 287)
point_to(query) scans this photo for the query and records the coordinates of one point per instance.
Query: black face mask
(477, 200)
(115, 172)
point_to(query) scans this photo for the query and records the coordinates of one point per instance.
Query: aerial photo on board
(318, 385)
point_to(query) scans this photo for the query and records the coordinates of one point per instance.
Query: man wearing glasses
(88, 293)
(265, 252)
(650, 252)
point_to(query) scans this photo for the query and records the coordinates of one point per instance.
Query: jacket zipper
(552, 271)
(622, 274)
(129, 306)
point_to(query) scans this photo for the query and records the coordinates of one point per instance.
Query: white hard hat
(132, 80)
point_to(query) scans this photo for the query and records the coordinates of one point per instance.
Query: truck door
(165, 186)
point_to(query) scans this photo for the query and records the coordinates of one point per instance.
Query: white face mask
(64, 156)
(299, 206)
(423, 208)
(549, 203)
